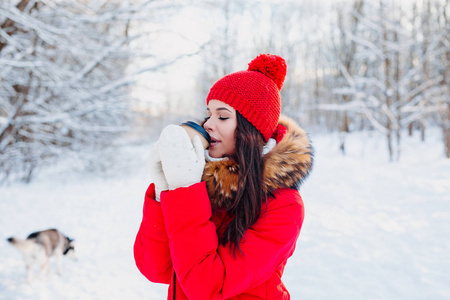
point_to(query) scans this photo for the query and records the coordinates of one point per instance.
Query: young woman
(224, 229)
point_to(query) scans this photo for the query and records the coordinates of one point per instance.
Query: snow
(373, 229)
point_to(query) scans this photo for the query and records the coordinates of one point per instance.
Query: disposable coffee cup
(194, 129)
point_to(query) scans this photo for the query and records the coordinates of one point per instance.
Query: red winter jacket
(177, 244)
(178, 240)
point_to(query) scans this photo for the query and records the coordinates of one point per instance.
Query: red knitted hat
(254, 93)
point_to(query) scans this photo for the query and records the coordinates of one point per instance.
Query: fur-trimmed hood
(286, 166)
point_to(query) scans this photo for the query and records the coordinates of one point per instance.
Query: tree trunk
(446, 132)
(344, 130)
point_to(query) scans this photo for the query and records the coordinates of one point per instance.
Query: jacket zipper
(174, 284)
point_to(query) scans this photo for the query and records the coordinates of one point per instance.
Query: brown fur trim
(286, 166)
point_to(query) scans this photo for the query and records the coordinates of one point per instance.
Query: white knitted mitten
(182, 161)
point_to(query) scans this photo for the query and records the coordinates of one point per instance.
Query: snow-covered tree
(388, 68)
(442, 67)
(222, 52)
(346, 62)
(64, 78)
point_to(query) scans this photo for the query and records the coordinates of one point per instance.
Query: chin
(215, 154)
(219, 154)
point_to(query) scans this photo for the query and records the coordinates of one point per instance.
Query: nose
(208, 125)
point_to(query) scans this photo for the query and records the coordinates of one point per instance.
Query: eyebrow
(220, 108)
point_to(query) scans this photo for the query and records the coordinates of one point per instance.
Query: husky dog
(39, 246)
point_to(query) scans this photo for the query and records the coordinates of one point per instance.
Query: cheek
(231, 136)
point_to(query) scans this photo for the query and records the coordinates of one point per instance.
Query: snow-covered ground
(374, 229)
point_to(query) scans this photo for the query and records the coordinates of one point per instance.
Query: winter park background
(86, 86)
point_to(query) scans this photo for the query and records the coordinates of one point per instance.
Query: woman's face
(221, 125)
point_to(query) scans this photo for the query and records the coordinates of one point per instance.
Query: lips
(214, 142)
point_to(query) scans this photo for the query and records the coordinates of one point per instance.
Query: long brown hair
(250, 195)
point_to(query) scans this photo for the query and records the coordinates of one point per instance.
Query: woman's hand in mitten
(156, 171)
(182, 161)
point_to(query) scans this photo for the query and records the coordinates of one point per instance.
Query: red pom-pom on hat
(273, 66)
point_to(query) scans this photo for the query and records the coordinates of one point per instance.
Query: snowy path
(373, 229)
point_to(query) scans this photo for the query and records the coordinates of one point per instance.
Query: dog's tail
(20, 244)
